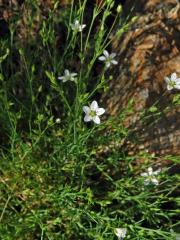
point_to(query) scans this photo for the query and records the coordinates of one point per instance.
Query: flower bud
(119, 8)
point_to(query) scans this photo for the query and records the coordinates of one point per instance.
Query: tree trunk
(148, 52)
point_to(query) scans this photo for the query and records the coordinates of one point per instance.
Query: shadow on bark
(148, 52)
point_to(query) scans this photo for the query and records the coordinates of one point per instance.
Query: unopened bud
(119, 8)
(134, 19)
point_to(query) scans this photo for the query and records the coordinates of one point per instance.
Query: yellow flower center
(172, 83)
(92, 113)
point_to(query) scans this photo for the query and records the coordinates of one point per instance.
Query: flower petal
(169, 87)
(144, 174)
(167, 79)
(96, 119)
(177, 82)
(120, 232)
(81, 27)
(94, 106)
(100, 111)
(73, 74)
(106, 54)
(108, 64)
(72, 26)
(86, 109)
(102, 58)
(157, 171)
(150, 171)
(66, 72)
(76, 22)
(87, 118)
(112, 55)
(61, 78)
(173, 76)
(114, 62)
(178, 86)
(154, 181)
(146, 181)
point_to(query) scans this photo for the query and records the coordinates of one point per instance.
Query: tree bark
(147, 52)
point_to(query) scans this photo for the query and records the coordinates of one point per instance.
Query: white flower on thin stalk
(68, 76)
(150, 176)
(120, 233)
(172, 82)
(77, 27)
(58, 120)
(108, 58)
(93, 112)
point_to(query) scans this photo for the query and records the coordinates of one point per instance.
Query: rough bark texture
(147, 53)
(29, 18)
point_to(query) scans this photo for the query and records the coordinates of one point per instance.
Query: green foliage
(66, 179)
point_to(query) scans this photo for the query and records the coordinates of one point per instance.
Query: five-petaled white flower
(68, 76)
(108, 58)
(120, 233)
(150, 176)
(93, 112)
(77, 27)
(172, 82)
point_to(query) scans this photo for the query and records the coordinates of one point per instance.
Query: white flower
(77, 27)
(150, 176)
(172, 82)
(108, 58)
(120, 233)
(58, 120)
(93, 112)
(68, 76)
